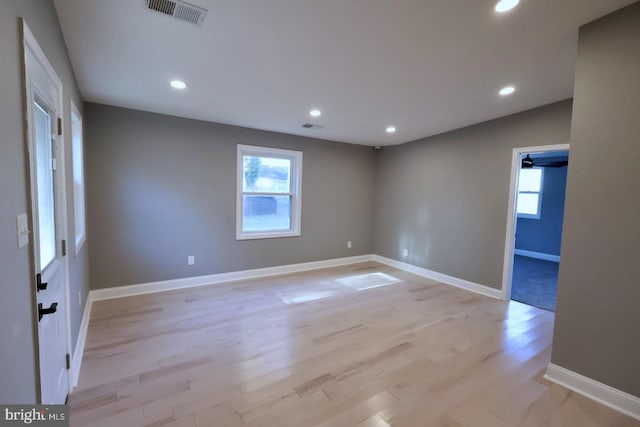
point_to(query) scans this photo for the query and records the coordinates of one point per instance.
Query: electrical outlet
(405, 252)
(348, 244)
(79, 299)
(191, 260)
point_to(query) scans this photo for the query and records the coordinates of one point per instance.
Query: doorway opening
(534, 229)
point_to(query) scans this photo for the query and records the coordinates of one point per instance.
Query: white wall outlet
(22, 226)
(348, 244)
(405, 252)
(79, 299)
(191, 260)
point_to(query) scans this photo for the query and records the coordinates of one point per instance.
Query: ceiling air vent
(312, 126)
(179, 10)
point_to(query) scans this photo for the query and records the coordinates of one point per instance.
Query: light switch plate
(22, 226)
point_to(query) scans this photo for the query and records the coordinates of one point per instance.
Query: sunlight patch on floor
(341, 286)
(306, 296)
(368, 281)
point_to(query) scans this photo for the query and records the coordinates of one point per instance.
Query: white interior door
(44, 92)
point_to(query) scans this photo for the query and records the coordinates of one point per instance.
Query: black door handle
(39, 285)
(44, 311)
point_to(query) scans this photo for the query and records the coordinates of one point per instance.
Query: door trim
(510, 237)
(31, 44)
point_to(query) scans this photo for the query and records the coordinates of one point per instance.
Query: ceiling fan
(528, 163)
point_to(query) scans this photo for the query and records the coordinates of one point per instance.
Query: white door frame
(31, 44)
(510, 237)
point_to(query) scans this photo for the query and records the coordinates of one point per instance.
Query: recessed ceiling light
(178, 84)
(315, 113)
(506, 5)
(507, 90)
(391, 129)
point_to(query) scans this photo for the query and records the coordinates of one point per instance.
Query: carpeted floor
(535, 282)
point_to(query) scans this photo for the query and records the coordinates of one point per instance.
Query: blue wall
(544, 234)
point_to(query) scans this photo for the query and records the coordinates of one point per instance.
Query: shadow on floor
(535, 282)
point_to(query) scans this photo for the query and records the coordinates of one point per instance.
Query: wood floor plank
(309, 350)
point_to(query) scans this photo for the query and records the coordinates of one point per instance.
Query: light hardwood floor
(310, 349)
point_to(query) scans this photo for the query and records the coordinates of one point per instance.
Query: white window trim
(539, 193)
(80, 236)
(296, 191)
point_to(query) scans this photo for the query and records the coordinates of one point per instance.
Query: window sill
(266, 235)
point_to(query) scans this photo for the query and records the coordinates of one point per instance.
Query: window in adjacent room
(268, 192)
(530, 193)
(77, 141)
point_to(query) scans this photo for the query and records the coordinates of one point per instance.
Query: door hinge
(64, 248)
(59, 126)
(68, 361)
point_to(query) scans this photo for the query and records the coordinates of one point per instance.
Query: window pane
(78, 176)
(530, 180)
(44, 170)
(266, 213)
(266, 175)
(528, 203)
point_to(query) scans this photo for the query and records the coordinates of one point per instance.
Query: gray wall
(445, 197)
(162, 188)
(545, 234)
(597, 317)
(17, 315)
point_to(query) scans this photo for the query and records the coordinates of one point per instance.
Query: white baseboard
(537, 255)
(189, 282)
(434, 275)
(602, 393)
(78, 352)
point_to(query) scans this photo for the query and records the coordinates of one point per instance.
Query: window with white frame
(530, 193)
(77, 141)
(268, 192)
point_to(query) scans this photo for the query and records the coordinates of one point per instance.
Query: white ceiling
(424, 66)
